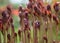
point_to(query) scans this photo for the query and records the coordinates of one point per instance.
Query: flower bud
(15, 34)
(56, 7)
(54, 41)
(9, 9)
(20, 8)
(45, 38)
(37, 10)
(55, 19)
(29, 6)
(11, 20)
(19, 32)
(48, 7)
(37, 24)
(8, 36)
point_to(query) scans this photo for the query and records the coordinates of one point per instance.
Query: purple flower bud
(49, 7)
(37, 24)
(56, 7)
(29, 6)
(4, 14)
(4, 17)
(45, 38)
(25, 14)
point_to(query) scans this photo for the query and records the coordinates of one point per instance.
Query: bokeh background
(15, 4)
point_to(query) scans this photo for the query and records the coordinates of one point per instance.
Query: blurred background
(16, 3)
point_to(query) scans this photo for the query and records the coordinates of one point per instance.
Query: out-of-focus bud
(55, 19)
(26, 24)
(20, 8)
(4, 17)
(11, 20)
(54, 41)
(48, 7)
(15, 34)
(45, 38)
(56, 7)
(30, 0)
(36, 9)
(28, 35)
(29, 6)
(9, 9)
(8, 36)
(19, 32)
(37, 24)
(25, 14)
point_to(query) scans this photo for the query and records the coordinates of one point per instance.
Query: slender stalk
(0, 38)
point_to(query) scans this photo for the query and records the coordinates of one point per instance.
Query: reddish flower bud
(4, 17)
(4, 14)
(28, 35)
(55, 19)
(29, 6)
(54, 41)
(15, 34)
(9, 9)
(36, 9)
(19, 32)
(37, 24)
(30, 0)
(48, 7)
(20, 8)
(45, 38)
(25, 14)
(8, 36)
(11, 20)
